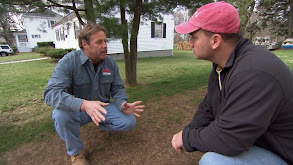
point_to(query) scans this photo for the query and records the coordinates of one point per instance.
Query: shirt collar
(83, 58)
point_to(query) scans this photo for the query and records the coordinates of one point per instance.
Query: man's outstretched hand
(133, 108)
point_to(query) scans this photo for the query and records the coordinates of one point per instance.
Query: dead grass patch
(148, 143)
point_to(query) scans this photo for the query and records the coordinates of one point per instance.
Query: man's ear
(216, 41)
(83, 43)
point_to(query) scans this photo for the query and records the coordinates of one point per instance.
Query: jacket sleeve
(202, 117)
(56, 93)
(251, 101)
(117, 90)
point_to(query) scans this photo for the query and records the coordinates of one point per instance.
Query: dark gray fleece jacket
(254, 107)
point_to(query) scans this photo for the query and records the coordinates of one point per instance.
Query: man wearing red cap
(246, 116)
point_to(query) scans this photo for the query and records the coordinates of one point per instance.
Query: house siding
(69, 40)
(32, 25)
(146, 43)
(38, 29)
(147, 46)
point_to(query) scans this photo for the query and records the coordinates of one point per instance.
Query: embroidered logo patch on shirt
(106, 72)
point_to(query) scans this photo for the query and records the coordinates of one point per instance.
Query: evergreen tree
(277, 14)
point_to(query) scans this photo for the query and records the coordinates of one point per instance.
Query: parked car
(288, 43)
(5, 50)
(274, 45)
(267, 42)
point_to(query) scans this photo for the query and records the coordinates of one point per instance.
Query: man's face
(201, 45)
(96, 50)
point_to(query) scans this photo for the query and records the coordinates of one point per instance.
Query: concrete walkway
(36, 59)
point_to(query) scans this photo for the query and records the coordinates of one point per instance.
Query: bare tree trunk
(248, 15)
(130, 57)
(6, 32)
(133, 43)
(290, 26)
(125, 42)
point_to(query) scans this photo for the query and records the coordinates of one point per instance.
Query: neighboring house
(153, 39)
(37, 28)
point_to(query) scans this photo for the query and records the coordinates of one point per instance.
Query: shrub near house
(59, 53)
(46, 44)
(53, 53)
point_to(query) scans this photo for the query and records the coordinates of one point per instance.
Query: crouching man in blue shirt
(80, 89)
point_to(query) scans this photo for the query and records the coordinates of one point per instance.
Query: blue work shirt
(74, 80)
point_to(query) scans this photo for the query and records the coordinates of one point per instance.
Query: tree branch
(73, 7)
(76, 12)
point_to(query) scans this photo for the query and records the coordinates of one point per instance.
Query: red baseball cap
(218, 17)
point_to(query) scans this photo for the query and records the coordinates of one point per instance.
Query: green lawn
(20, 56)
(286, 56)
(24, 117)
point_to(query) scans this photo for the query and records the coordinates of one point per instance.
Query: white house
(37, 28)
(153, 39)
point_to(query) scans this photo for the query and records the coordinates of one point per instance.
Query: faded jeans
(67, 125)
(255, 156)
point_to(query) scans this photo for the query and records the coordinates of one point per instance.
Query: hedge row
(53, 53)
(45, 44)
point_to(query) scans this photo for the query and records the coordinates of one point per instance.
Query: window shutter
(74, 27)
(164, 30)
(153, 30)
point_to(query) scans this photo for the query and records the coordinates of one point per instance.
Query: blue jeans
(255, 156)
(67, 125)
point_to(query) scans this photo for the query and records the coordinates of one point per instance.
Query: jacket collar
(236, 52)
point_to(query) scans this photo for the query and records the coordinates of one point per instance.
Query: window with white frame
(22, 38)
(50, 23)
(36, 36)
(62, 35)
(57, 34)
(158, 30)
(68, 28)
(77, 28)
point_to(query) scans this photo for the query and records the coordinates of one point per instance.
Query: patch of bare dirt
(148, 143)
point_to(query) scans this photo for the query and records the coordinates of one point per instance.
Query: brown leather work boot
(79, 159)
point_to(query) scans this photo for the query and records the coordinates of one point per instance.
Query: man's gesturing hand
(94, 109)
(132, 108)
